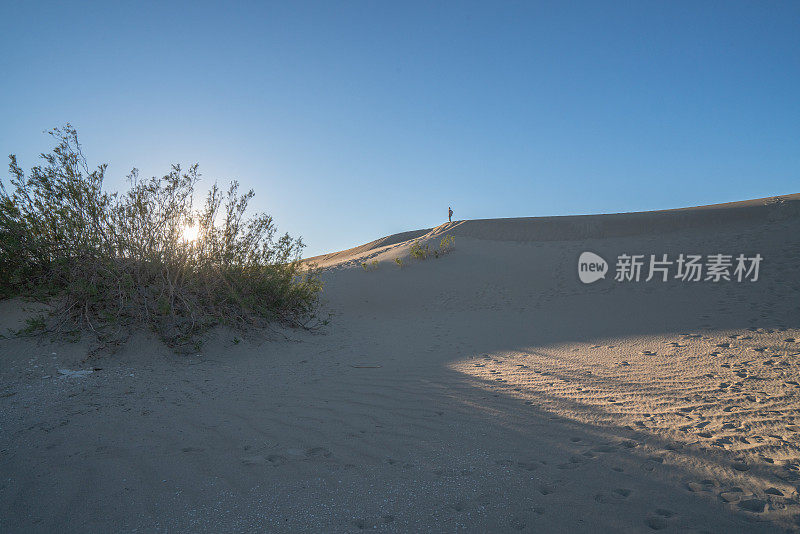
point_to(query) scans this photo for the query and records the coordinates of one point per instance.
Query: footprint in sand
(656, 522)
(571, 464)
(703, 485)
(272, 460)
(528, 466)
(253, 460)
(740, 466)
(753, 505)
(732, 495)
(276, 459)
(616, 495)
(318, 453)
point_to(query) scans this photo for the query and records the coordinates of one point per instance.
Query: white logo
(591, 267)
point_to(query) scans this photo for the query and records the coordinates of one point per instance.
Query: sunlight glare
(190, 233)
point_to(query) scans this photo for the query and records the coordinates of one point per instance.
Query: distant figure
(449, 214)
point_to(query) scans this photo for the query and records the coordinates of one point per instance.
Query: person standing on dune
(449, 214)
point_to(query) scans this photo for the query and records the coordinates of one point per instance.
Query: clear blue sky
(354, 120)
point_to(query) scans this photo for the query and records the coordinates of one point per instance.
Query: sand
(488, 390)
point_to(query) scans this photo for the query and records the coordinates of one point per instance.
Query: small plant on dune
(33, 325)
(147, 256)
(371, 266)
(399, 262)
(419, 251)
(422, 252)
(446, 244)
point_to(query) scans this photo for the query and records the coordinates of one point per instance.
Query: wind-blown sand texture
(484, 391)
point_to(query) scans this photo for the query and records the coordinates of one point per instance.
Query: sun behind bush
(124, 259)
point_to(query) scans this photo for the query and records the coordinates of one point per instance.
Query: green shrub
(422, 252)
(419, 251)
(399, 262)
(124, 259)
(446, 244)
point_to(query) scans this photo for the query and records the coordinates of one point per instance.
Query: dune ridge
(724, 216)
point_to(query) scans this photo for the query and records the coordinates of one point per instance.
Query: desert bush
(399, 262)
(422, 252)
(446, 244)
(419, 251)
(371, 266)
(123, 259)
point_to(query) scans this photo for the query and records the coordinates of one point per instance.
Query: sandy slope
(487, 390)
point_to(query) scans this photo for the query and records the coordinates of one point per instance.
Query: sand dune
(726, 217)
(486, 390)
